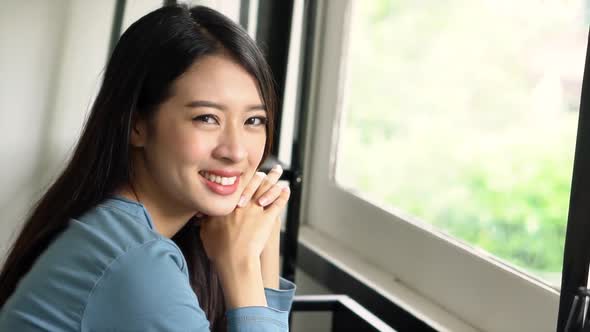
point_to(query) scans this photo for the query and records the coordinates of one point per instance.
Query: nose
(231, 145)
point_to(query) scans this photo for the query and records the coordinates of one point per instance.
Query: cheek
(256, 150)
(185, 147)
(194, 149)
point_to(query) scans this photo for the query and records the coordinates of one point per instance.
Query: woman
(160, 221)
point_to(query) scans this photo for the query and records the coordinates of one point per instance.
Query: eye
(207, 118)
(261, 121)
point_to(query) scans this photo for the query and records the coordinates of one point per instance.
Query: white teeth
(220, 179)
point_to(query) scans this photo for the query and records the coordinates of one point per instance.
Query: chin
(219, 210)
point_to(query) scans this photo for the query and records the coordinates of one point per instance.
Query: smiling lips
(221, 182)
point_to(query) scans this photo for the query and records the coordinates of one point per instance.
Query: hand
(243, 234)
(234, 243)
(265, 192)
(263, 189)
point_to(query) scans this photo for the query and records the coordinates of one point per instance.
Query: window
(444, 147)
(479, 102)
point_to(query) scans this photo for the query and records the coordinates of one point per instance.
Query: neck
(167, 214)
(168, 219)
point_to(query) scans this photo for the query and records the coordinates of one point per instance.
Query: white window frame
(467, 283)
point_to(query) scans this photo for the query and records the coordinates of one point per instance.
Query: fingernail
(278, 167)
(263, 201)
(242, 201)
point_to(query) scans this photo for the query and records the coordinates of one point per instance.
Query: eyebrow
(205, 103)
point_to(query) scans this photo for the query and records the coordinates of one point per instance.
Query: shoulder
(103, 235)
(145, 287)
(110, 230)
(147, 267)
(126, 225)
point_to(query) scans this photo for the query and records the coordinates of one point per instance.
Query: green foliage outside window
(467, 110)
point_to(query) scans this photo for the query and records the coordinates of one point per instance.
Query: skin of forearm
(269, 259)
(242, 284)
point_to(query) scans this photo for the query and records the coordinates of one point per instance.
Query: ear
(138, 131)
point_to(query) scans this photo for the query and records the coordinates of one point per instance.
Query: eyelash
(262, 119)
(201, 117)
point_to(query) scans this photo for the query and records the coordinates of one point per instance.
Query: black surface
(273, 31)
(577, 245)
(344, 316)
(244, 11)
(345, 320)
(339, 282)
(308, 34)
(117, 24)
(275, 36)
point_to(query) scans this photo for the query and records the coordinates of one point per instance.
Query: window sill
(383, 282)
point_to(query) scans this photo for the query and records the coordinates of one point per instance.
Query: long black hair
(149, 56)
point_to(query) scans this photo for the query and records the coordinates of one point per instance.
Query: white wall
(134, 9)
(51, 56)
(229, 8)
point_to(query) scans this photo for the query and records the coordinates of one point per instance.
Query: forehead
(217, 78)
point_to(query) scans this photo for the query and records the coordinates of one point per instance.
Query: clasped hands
(253, 227)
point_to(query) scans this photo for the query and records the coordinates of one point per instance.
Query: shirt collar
(134, 208)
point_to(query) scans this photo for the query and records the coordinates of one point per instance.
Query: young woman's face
(211, 128)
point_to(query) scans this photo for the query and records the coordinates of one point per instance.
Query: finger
(271, 194)
(251, 188)
(271, 179)
(280, 203)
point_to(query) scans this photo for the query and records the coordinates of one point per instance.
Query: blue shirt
(111, 271)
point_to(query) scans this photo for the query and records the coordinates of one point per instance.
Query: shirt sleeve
(145, 289)
(282, 298)
(273, 317)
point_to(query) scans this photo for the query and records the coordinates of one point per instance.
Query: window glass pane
(463, 114)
